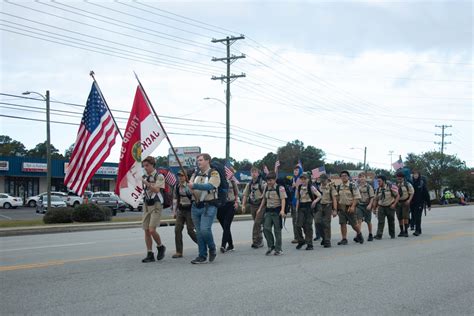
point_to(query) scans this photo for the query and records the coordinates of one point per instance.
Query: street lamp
(365, 155)
(227, 128)
(48, 143)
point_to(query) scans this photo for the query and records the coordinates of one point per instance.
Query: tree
(289, 155)
(339, 165)
(40, 151)
(441, 170)
(162, 161)
(68, 152)
(10, 147)
(312, 157)
(244, 165)
(269, 161)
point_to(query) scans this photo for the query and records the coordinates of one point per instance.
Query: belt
(273, 209)
(403, 200)
(204, 204)
(305, 204)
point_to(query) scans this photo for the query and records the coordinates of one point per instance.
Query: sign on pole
(187, 156)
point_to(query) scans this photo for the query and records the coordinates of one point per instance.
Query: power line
(443, 135)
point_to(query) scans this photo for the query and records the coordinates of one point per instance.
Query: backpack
(223, 188)
(167, 192)
(289, 195)
(310, 192)
(351, 188)
(400, 191)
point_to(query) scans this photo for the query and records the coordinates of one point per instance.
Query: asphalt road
(29, 213)
(90, 273)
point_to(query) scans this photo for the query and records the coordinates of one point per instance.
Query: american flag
(95, 139)
(170, 178)
(317, 172)
(398, 164)
(228, 171)
(265, 169)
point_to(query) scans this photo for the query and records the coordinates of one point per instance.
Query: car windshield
(53, 198)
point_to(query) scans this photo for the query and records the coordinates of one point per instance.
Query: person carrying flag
(225, 213)
(297, 172)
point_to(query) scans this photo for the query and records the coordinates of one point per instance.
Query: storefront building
(26, 176)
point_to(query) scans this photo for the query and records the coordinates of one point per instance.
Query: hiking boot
(405, 234)
(327, 244)
(199, 260)
(416, 234)
(269, 251)
(294, 241)
(212, 255)
(161, 252)
(392, 236)
(229, 249)
(378, 237)
(371, 237)
(260, 245)
(309, 247)
(223, 250)
(149, 257)
(177, 255)
(360, 238)
(300, 245)
(342, 242)
(278, 253)
(355, 239)
(323, 242)
(401, 234)
(316, 239)
(254, 246)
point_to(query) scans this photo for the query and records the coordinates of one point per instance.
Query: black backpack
(310, 192)
(223, 188)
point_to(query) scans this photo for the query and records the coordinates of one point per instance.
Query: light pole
(227, 130)
(365, 156)
(48, 143)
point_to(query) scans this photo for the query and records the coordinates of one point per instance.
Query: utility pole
(443, 143)
(365, 159)
(228, 79)
(390, 153)
(48, 149)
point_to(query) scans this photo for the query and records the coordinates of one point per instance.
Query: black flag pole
(162, 127)
(92, 74)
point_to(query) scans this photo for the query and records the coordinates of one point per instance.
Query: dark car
(109, 199)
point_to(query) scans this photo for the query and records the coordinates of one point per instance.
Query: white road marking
(5, 216)
(49, 246)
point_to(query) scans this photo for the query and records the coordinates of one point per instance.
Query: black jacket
(421, 195)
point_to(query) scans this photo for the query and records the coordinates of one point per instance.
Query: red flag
(142, 135)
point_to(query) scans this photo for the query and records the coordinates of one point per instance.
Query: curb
(51, 229)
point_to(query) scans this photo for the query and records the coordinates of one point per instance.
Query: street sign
(187, 156)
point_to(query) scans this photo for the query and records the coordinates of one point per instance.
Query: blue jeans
(203, 219)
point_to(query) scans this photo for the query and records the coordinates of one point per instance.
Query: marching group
(197, 203)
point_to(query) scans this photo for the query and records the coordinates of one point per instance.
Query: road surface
(90, 273)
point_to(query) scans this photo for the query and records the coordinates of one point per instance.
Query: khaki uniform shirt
(272, 198)
(345, 195)
(366, 193)
(184, 200)
(328, 190)
(231, 193)
(404, 193)
(203, 177)
(157, 180)
(303, 195)
(252, 191)
(385, 196)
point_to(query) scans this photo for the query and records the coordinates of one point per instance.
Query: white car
(32, 201)
(74, 200)
(8, 201)
(42, 206)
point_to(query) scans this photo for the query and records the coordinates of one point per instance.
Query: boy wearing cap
(182, 200)
(274, 204)
(406, 192)
(306, 198)
(349, 196)
(328, 208)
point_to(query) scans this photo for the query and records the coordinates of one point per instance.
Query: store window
(99, 185)
(57, 184)
(22, 187)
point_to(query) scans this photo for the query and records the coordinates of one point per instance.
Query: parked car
(42, 205)
(32, 201)
(74, 200)
(109, 199)
(8, 201)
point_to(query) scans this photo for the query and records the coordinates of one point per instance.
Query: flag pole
(162, 127)
(91, 73)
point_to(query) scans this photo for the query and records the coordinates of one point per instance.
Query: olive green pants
(305, 224)
(272, 219)
(323, 220)
(389, 213)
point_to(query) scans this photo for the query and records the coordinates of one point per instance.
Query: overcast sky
(334, 74)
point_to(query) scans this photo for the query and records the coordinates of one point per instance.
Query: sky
(334, 74)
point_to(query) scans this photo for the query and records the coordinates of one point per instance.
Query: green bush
(91, 213)
(58, 215)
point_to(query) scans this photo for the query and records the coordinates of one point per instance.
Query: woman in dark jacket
(420, 197)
